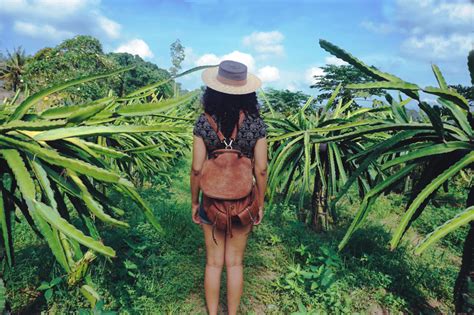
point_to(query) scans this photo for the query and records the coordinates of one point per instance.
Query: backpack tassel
(229, 222)
(213, 229)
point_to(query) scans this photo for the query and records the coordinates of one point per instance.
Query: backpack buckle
(228, 145)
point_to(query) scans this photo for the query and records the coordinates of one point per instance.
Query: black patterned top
(252, 128)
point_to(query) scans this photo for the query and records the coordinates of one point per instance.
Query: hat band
(231, 82)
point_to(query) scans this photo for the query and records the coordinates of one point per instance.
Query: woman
(230, 88)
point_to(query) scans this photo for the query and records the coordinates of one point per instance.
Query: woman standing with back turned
(230, 89)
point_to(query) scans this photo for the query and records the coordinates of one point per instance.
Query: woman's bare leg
(234, 255)
(214, 264)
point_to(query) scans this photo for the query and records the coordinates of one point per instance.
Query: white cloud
(53, 9)
(432, 30)
(111, 28)
(53, 18)
(136, 47)
(311, 72)
(291, 87)
(246, 59)
(268, 74)
(379, 28)
(438, 47)
(434, 15)
(208, 59)
(40, 30)
(190, 58)
(332, 60)
(211, 59)
(265, 43)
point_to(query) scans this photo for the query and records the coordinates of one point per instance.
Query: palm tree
(13, 68)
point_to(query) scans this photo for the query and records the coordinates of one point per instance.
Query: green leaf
(51, 236)
(449, 226)
(157, 84)
(17, 166)
(267, 102)
(32, 125)
(62, 133)
(93, 205)
(450, 95)
(68, 229)
(371, 157)
(459, 115)
(439, 77)
(347, 57)
(132, 193)
(66, 111)
(286, 135)
(398, 85)
(156, 108)
(434, 117)
(307, 162)
(332, 179)
(97, 148)
(333, 97)
(48, 294)
(52, 157)
(90, 294)
(35, 98)
(431, 150)
(420, 127)
(438, 181)
(340, 165)
(6, 231)
(56, 281)
(44, 285)
(368, 201)
(85, 113)
(399, 112)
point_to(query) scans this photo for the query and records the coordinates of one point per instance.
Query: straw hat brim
(209, 76)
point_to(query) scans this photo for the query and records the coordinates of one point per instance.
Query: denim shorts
(202, 214)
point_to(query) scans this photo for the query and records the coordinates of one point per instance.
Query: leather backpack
(229, 190)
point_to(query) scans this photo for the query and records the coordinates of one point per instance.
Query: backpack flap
(228, 176)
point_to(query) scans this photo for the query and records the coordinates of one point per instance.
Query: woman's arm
(199, 156)
(260, 172)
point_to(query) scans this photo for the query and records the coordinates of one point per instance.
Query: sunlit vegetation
(368, 207)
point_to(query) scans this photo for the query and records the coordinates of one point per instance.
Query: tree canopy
(284, 101)
(143, 74)
(75, 57)
(82, 56)
(344, 74)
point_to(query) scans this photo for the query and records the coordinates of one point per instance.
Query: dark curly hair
(226, 107)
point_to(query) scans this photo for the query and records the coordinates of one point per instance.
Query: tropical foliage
(82, 56)
(77, 155)
(283, 102)
(309, 154)
(142, 74)
(334, 75)
(12, 68)
(444, 148)
(56, 164)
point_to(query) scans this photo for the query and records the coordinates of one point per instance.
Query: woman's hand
(260, 216)
(195, 213)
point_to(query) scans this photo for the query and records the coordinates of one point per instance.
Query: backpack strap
(221, 137)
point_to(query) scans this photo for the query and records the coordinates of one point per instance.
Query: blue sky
(278, 40)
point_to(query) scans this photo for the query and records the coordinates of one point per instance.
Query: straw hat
(231, 77)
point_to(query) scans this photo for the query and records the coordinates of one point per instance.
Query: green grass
(163, 273)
